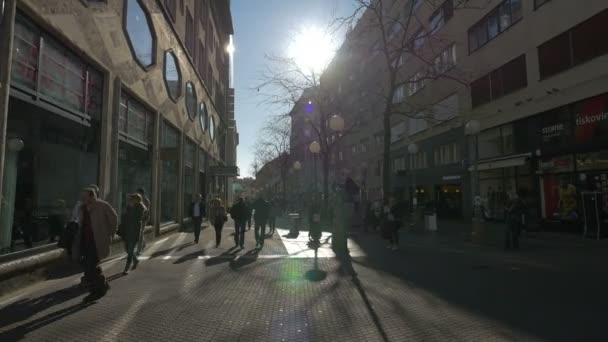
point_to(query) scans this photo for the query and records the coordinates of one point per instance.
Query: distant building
(535, 76)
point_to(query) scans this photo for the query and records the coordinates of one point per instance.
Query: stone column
(9, 189)
(7, 28)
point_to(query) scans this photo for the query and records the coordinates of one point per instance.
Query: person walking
(141, 243)
(239, 213)
(249, 212)
(197, 212)
(260, 216)
(130, 228)
(273, 210)
(516, 212)
(98, 222)
(390, 224)
(217, 217)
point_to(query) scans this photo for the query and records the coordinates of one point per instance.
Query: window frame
(203, 115)
(150, 25)
(179, 73)
(485, 22)
(126, 136)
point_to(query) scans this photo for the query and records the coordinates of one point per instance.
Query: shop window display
(169, 173)
(189, 151)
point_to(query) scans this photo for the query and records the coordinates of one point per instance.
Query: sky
(266, 27)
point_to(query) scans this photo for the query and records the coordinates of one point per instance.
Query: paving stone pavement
(188, 292)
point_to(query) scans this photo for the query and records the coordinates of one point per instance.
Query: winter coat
(103, 223)
(262, 210)
(217, 215)
(239, 212)
(131, 223)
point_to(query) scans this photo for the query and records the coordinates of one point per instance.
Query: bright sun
(312, 49)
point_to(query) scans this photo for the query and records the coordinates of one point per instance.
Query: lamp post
(412, 150)
(472, 129)
(315, 149)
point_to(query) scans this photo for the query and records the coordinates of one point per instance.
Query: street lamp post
(472, 129)
(315, 149)
(412, 150)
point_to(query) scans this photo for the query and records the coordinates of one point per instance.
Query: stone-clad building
(120, 93)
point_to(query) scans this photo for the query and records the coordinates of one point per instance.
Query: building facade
(533, 73)
(125, 94)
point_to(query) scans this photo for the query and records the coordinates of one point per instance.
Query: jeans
(239, 232)
(196, 226)
(131, 257)
(260, 231)
(272, 223)
(218, 233)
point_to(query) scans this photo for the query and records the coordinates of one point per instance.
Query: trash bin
(295, 224)
(430, 217)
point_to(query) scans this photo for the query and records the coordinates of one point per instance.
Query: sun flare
(312, 49)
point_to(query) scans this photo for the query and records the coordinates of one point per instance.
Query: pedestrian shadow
(190, 256)
(25, 308)
(227, 256)
(347, 269)
(168, 250)
(248, 258)
(186, 245)
(115, 276)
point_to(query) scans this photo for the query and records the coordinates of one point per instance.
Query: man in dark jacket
(197, 212)
(260, 215)
(249, 211)
(239, 213)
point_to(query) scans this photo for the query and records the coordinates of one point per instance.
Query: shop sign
(450, 178)
(591, 119)
(557, 164)
(553, 131)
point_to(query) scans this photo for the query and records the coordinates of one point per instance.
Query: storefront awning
(503, 162)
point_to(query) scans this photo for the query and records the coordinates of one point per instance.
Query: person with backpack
(217, 217)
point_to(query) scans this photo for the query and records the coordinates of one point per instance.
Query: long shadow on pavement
(222, 258)
(190, 256)
(514, 296)
(26, 308)
(244, 260)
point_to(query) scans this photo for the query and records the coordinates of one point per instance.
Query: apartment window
(575, 46)
(171, 6)
(202, 10)
(416, 83)
(65, 78)
(399, 164)
(445, 60)
(500, 82)
(211, 127)
(497, 21)
(538, 3)
(190, 36)
(353, 149)
(202, 116)
(418, 161)
(444, 13)
(200, 60)
(417, 124)
(379, 140)
(446, 109)
(399, 94)
(447, 154)
(419, 40)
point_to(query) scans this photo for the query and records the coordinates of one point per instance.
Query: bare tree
(399, 35)
(273, 145)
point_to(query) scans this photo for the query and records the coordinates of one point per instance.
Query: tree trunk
(386, 163)
(326, 179)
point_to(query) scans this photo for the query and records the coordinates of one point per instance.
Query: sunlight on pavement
(298, 247)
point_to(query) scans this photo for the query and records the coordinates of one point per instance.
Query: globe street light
(472, 129)
(297, 165)
(336, 123)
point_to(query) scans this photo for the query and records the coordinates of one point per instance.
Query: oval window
(172, 75)
(202, 116)
(212, 127)
(191, 100)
